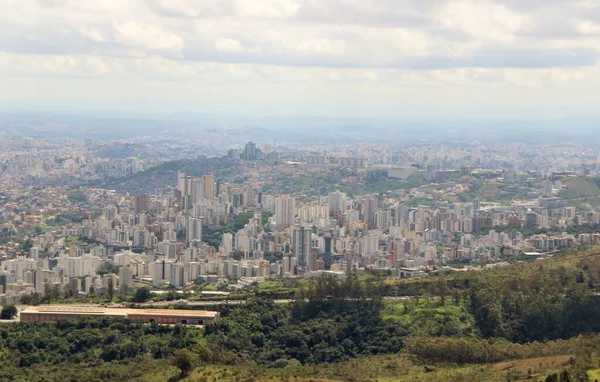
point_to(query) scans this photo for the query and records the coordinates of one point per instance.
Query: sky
(303, 57)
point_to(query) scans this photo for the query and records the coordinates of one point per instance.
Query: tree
(67, 292)
(27, 244)
(111, 289)
(55, 292)
(142, 294)
(107, 267)
(8, 312)
(183, 360)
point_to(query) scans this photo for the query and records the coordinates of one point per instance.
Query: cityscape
(299, 191)
(278, 214)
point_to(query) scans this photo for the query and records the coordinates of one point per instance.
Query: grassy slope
(579, 187)
(428, 317)
(400, 368)
(384, 368)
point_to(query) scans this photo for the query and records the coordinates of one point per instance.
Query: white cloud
(482, 20)
(94, 34)
(267, 8)
(230, 45)
(321, 45)
(326, 51)
(133, 33)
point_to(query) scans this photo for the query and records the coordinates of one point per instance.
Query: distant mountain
(296, 129)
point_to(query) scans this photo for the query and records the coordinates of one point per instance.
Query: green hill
(579, 188)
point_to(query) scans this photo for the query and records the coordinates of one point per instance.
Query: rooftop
(124, 312)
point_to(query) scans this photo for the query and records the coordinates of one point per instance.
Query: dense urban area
(218, 258)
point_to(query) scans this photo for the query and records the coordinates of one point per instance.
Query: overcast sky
(316, 57)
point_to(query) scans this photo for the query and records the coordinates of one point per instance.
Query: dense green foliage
(537, 302)
(340, 320)
(312, 332)
(88, 342)
(429, 317)
(184, 360)
(473, 350)
(142, 294)
(77, 196)
(8, 312)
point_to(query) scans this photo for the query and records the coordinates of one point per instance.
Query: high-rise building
(193, 229)
(34, 253)
(157, 272)
(312, 263)
(110, 212)
(369, 208)
(383, 218)
(227, 243)
(142, 203)
(251, 152)
(285, 211)
(197, 190)
(337, 202)
(184, 184)
(369, 244)
(176, 277)
(531, 219)
(289, 264)
(209, 186)
(222, 188)
(125, 277)
(301, 245)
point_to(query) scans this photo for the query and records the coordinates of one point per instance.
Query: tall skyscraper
(369, 208)
(209, 186)
(193, 229)
(197, 190)
(251, 152)
(125, 277)
(227, 243)
(337, 202)
(181, 182)
(285, 211)
(301, 245)
(184, 184)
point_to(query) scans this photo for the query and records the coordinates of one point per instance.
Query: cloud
(495, 56)
(267, 8)
(384, 45)
(331, 34)
(230, 45)
(137, 34)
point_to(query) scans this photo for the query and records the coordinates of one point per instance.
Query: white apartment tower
(285, 211)
(193, 229)
(337, 202)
